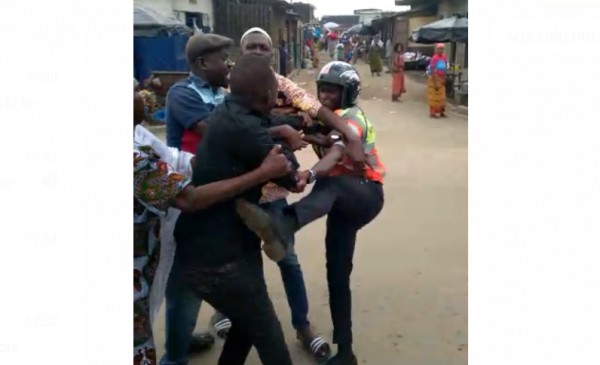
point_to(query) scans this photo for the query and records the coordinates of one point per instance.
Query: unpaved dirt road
(410, 270)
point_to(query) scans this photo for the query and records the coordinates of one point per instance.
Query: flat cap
(201, 44)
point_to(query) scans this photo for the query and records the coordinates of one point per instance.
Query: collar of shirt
(215, 96)
(239, 104)
(198, 81)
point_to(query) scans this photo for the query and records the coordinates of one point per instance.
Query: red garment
(332, 36)
(398, 87)
(190, 141)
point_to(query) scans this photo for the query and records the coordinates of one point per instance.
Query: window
(193, 2)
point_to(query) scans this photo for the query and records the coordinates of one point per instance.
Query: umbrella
(147, 22)
(361, 29)
(453, 29)
(331, 25)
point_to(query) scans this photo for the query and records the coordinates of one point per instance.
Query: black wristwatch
(312, 176)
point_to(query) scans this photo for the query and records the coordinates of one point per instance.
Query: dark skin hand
(354, 147)
(321, 168)
(329, 161)
(292, 137)
(307, 120)
(301, 182)
(318, 139)
(195, 198)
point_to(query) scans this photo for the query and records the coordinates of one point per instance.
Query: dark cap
(202, 44)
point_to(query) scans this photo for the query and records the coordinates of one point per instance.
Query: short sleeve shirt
(188, 102)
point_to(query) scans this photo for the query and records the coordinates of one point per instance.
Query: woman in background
(283, 58)
(375, 56)
(398, 72)
(436, 83)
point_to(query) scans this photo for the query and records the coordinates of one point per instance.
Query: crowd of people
(205, 200)
(354, 48)
(374, 51)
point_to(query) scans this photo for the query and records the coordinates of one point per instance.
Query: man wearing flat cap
(190, 101)
(188, 104)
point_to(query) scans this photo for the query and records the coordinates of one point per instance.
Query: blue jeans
(183, 305)
(182, 311)
(293, 280)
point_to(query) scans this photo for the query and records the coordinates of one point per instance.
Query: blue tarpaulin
(166, 53)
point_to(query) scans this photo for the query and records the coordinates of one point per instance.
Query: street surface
(410, 269)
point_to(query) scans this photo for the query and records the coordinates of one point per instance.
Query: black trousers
(239, 291)
(350, 203)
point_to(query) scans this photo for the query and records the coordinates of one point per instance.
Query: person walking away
(339, 52)
(436, 83)
(283, 58)
(188, 104)
(355, 52)
(375, 56)
(350, 199)
(332, 43)
(389, 53)
(161, 179)
(398, 87)
(219, 256)
(314, 48)
(307, 54)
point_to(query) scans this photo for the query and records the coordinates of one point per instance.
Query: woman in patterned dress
(161, 179)
(436, 83)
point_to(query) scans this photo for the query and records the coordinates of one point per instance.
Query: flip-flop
(318, 347)
(222, 326)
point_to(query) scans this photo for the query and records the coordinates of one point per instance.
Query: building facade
(191, 12)
(305, 11)
(234, 17)
(366, 16)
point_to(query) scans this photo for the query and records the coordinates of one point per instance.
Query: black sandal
(221, 324)
(317, 346)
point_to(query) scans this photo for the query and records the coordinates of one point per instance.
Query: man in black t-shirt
(219, 256)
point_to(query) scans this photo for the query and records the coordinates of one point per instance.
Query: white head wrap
(256, 30)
